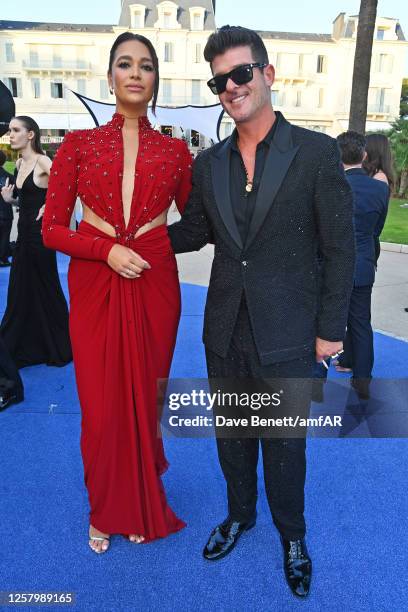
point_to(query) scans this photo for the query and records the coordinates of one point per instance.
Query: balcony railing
(57, 66)
(185, 101)
(380, 109)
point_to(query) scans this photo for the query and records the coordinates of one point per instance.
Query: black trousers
(5, 229)
(359, 341)
(284, 459)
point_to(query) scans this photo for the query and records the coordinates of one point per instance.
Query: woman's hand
(7, 192)
(40, 212)
(126, 262)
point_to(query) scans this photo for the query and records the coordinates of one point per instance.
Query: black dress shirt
(243, 203)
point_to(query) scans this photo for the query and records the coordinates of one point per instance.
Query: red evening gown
(123, 331)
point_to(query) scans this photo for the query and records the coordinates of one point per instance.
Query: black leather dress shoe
(8, 397)
(224, 538)
(297, 565)
(362, 387)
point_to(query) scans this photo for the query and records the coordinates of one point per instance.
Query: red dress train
(123, 331)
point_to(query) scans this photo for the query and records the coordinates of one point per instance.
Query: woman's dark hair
(379, 157)
(145, 41)
(352, 147)
(32, 126)
(229, 37)
(3, 158)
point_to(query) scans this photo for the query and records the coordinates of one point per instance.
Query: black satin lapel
(276, 166)
(220, 172)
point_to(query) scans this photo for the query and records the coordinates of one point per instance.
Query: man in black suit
(6, 214)
(268, 197)
(370, 211)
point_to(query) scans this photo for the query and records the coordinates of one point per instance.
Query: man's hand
(126, 262)
(325, 349)
(7, 192)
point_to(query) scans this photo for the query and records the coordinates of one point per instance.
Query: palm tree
(362, 65)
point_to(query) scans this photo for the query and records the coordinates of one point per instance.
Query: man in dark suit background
(6, 214)
(370, 211)
(268, 197)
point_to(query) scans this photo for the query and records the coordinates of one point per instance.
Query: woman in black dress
(35, 324)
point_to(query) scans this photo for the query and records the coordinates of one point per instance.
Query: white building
(42, 62)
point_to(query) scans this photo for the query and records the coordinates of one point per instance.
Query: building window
(282, 98)
(197, 53)
(34, 58)
(57, 90)
(80, 55)
(81, 86)
(196, 21)
(298, 98)
(195, 91)
(384, 63)
(36, 87)
(166, 90)
(321, 64)
(167, 20)
(167, 129)
(168, 52)
(137, 20)
(301, 57)
(56, 58)
(278, 61)
(103, 90)
(275, 97)
(14, 85)
(380, 100)
(10, 52)
(228, 129)
(321, 98)
(380, 33)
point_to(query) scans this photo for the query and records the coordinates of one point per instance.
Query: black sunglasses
(240, 75)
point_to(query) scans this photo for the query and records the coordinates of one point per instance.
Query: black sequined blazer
(304, 206)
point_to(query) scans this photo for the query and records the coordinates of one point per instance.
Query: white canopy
(203, 119)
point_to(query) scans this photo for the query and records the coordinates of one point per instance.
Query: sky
(285, 16)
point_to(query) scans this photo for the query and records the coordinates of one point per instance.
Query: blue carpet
(356, 507)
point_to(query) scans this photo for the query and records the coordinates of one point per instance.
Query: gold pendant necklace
(249, 184)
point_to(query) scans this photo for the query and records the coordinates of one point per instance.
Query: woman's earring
(111, 91)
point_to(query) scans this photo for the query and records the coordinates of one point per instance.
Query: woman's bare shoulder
(44, 162)
(380, 176)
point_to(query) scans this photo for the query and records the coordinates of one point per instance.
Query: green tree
(362, 65)
(399, 143)
(404, 99)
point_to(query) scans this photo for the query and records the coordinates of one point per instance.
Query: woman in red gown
(124, 294)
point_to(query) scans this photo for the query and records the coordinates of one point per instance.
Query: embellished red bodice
(89, 165)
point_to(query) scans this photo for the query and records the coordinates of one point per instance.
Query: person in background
(370, 210)
(6, 214)
(35, 324)
(378, 164)
(11, 385)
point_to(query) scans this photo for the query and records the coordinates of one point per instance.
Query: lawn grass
(396, 225)
(395, 228)
(9, 166)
